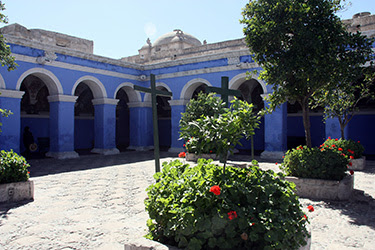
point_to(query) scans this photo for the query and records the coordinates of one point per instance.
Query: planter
(323, 189)
(195, 157)
(17, 191)
(358, 164)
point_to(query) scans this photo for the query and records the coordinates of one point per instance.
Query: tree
(298, 44)
(341, 103)
(6, 58)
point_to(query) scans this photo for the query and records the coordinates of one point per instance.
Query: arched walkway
(191, 86)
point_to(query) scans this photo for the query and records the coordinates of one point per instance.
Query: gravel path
(96, 202)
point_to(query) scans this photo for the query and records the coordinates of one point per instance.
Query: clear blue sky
(120, 27)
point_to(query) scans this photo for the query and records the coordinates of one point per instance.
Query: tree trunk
(306, 122)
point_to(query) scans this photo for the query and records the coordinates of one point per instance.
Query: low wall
(17, 191)
(323, 189)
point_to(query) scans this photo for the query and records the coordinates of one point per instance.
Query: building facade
(74, 101)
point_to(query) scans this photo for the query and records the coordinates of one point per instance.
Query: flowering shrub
(349, 148)
(13, 168)
(199, 207)
(315, 163)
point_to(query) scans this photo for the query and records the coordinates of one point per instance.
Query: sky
(119, 28)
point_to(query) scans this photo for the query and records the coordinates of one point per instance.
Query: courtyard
(96, 202)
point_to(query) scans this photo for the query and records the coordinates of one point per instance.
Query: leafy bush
(349, 148)
(13, 168)
(199, 207)
(208, 127)
(315, 163)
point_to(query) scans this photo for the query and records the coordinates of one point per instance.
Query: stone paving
(96, 202)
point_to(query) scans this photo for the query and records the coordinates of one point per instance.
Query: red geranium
(340, 149)
(232, 215)
(182, 155)
(351, 157)
(351, 172)
(310, 208)
(350, 164)
(215, 189)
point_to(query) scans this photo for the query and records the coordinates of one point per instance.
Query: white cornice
(11, 93)
(139, 104)
(105, 101)
(62, 98)
(178, 102)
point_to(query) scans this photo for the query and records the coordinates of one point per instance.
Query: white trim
(11, 93)
(62, 98)
(178, 102)
(96, 86)
(237, 80)
(2, 82)
(139, 104)
(134, 96)
(105, 101)
(49, 79)
(75, 67)
(158, 86)
(188, 89)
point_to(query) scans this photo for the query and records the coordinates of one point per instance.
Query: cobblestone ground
(96, 202)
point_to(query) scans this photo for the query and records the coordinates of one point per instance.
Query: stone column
(141, 130)
(275, 133)
(10, 137)
(105, 126)
(177, 107)
(61, 122)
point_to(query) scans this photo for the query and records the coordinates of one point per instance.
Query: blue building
(74, 101)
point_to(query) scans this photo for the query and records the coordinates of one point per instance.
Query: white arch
(134, 96)
(96, 86)
(158, 85)
(189, 88)
(2, 82)
(236, 81)
(50, 80)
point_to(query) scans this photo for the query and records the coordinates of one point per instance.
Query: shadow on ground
(49, 166)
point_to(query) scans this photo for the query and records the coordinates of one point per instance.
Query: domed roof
(175, 36)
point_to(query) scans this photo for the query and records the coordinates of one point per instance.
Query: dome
(175, 36)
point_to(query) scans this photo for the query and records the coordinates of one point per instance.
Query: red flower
(310, 208)
(215, 189)
(351, 172)
(304, 216)
(329, 138)
(350, 164)
(28, 172)
(210, 151)
(336, 139)
(351, 157)
(340, 149)
(182, 155)
(184, 145)
(232, 215)
(276, 163)
(333, 145)
(358, 141)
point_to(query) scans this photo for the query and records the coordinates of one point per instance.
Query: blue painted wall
(295, 129)
(39, 127)
(361, 128)
(83, 133)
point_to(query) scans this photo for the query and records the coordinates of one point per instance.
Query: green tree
(6, 58)
(299, 45)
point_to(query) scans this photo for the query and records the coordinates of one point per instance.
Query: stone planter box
(358, 164)
(323, 189)
(17, 191)
(195, 157)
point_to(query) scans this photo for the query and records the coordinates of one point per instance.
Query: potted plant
(14, 178)
(200, 207)
(318, 173)
(348, 148)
